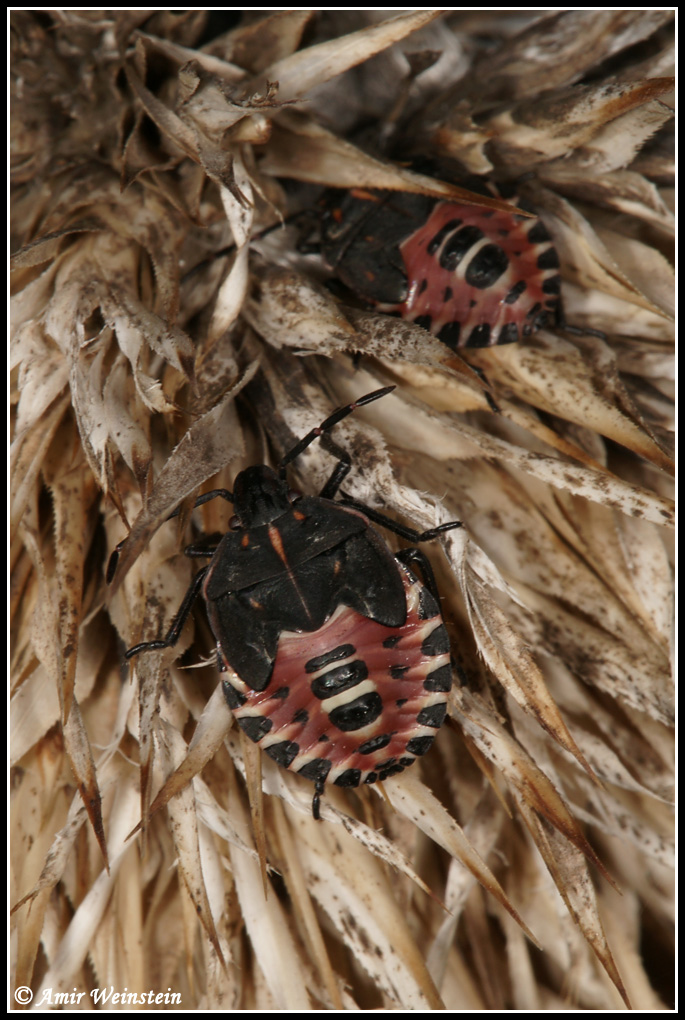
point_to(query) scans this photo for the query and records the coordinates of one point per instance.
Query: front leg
(178, 621)
(411, 534)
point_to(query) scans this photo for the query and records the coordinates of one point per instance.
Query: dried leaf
(163, 337)
(185, 834)
(300, 72)
(207, 446)
(371, 924)
(306, 151)
(606, 125)
(569, 871)
(266, 925)
(559, 47)
(417, 803)
(255, 45)
(530, 782)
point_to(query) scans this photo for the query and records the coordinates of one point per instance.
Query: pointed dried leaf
(256, 45)
(452, 439)
(298, 73)
(208, 445)
(266, 924)
(351, 888)
(578, 381)
(560, 47)
(504, 651)
(569, 870)
(75, 945)
(208, 737)
(183, 823)
(609, 122)
(307, 152)
(532, 784)
(417, 803)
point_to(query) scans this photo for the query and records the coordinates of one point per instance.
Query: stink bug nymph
(473, 277)
(333, 652)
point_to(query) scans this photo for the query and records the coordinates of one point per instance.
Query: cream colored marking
(348, 696)
(353, 657)
(275, 538)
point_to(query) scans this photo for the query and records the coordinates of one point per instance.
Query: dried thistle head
(159, 347)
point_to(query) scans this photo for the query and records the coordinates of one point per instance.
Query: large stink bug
(472, 276)
(334, 655)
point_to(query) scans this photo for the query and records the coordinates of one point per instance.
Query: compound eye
(235, 523)
(294, 495)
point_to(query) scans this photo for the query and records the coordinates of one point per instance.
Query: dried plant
(159, 346)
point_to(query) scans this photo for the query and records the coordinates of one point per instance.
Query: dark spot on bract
(392, 771)
(397, 672)
(552, 286)
(424, 321)
(448, 294)
(282, 693)
(390, 642)
(301, 716)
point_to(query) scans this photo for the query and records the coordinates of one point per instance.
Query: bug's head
(260, 496)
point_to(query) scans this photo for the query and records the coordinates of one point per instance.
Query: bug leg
(332, 420)
(492, 404)
(411, 534)
(177, 623)
(581, 330)
(204, 498)
(316, 799)
(113, 561)
(416, 558)
(561, 323)
(203, 548)
(341, 470)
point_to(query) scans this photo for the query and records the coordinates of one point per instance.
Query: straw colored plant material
(164, 338)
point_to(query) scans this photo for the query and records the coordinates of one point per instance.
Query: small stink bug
(474, 277)
(334, 654)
